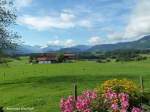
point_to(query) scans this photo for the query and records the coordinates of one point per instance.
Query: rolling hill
(143, 43)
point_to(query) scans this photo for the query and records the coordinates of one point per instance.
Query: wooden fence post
(142, 90)
(75, 92)
(4, 75)
(142, 85)
(1, 109)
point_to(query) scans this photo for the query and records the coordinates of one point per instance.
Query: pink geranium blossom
(82, 104)
(67, 105)
(136, 109)
(90, 101)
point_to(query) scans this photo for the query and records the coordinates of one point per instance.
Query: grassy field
(42, 85)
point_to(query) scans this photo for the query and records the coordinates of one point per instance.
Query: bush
(122, 86)
(139, 58)
(117, 85)
(112, 96)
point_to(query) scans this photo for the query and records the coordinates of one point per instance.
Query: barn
(69, 56)
(47, 58)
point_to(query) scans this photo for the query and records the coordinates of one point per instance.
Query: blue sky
(72, 22)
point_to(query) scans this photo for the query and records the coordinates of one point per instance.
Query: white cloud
(63, 21)
(55, 42)
(138, 25)
(64, 43)
(115, 37)
(85, 23)
(22, 3)
(66, 17)
(140, 21)
(95, 40)
(69, 43)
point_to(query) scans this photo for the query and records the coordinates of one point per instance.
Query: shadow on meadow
(66, 79)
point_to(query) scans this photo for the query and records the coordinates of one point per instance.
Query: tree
(61, 58)
(8, 38)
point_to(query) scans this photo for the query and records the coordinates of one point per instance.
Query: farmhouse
(51, 58)
(69, 56)
(47, 58)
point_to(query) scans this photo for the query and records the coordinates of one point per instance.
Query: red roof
(47, 58)
(67, 54)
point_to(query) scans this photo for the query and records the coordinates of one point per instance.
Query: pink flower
(82, 104)
(117, 102)
(124, 99)
(68, 110)
(114, 106)
(124, 96)
(125, 104)
(83, 101)
(135, 109)
(67, 105)
(90, 94)
(87, 110)
(111, 95)
(123, 110)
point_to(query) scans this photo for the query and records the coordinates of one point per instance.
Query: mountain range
(143, 43)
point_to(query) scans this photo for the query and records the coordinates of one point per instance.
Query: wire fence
(142, 94)
(76, 81)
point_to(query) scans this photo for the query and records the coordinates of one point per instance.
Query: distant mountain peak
(145, 38)
(143, 43)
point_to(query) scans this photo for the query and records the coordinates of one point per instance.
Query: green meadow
(42, 85)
